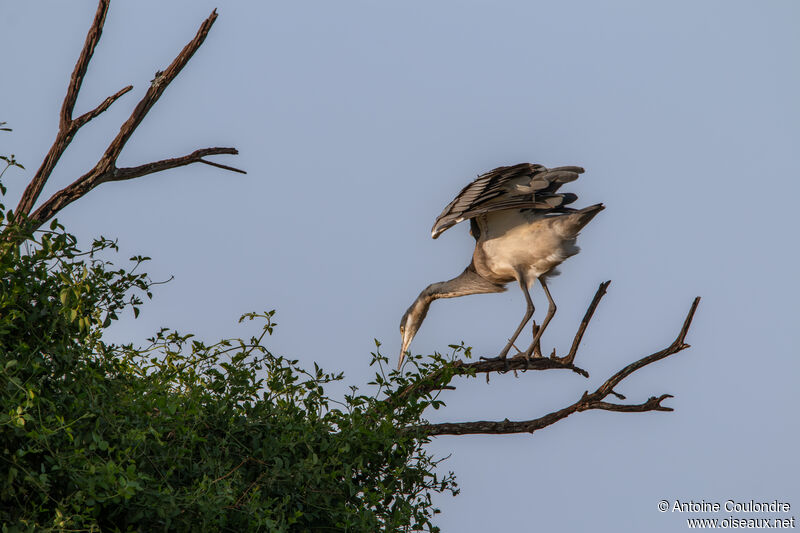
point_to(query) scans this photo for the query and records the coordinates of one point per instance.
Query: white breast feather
(518, 240)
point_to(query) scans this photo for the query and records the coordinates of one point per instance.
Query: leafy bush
(179, 435)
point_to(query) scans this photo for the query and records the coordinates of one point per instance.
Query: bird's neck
(443, 289)
(468, 282)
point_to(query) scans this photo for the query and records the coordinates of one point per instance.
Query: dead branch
(84, 184)
(588, 401)
(440, 379)
(67, 127)
(570, 357)
(106, 170)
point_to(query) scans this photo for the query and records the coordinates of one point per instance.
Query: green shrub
(179, 435)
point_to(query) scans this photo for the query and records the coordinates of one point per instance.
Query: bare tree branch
(92, 38)
(154, 92)
(588, 401)
(106, 170)
(570, 357)
(440, 379)
(120, 174)
(67, 127)
(105, 104)
(676, 346)
(87, 182)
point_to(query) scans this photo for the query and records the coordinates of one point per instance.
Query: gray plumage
(520, 186)
(523, 230)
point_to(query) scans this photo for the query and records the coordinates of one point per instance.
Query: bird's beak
(406, 341)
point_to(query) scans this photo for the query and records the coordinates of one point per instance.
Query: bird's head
(411, 321)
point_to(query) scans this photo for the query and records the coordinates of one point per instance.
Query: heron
(523, 230)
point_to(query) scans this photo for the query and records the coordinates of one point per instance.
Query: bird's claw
(501, 357)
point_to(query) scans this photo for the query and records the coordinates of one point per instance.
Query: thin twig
(120, 174)
(224, 167)
(237, 467)
(105, 104)
(676, 346)
(570, 357)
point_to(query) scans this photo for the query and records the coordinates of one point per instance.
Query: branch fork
(105, 169)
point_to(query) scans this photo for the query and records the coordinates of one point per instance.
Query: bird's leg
(528, 314)
(551, 310)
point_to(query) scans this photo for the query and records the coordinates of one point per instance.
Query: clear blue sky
(358, 121)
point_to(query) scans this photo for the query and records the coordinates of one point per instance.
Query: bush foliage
(179, 435)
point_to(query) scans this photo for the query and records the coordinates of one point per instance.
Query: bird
(523, 230)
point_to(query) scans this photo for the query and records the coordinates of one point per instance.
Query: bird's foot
(502, 357)
(503, 353)
(527, 358)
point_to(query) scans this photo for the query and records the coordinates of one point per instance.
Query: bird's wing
(515, 187)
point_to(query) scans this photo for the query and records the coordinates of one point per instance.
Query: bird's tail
(588, 213)
(574, 222)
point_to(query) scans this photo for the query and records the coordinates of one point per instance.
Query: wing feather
(522, 186)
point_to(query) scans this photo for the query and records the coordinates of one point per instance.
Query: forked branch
(83, 185)
(106, 170)
(66, 126)
(594, 400)
(105, 104)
